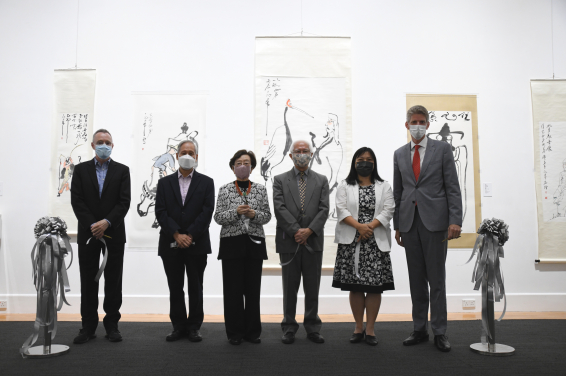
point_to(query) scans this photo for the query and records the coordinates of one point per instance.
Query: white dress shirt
(422, 149)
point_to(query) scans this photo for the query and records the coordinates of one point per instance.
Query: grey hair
(417, 110)
(101, 130)
(305, 141)
(192, 141)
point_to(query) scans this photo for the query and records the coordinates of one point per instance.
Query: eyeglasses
(238, 164)
(304, 151)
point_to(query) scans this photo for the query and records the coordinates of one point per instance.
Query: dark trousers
(89, 259)
(426, 260)
(241, 279)
(175, 267)
(308, 265)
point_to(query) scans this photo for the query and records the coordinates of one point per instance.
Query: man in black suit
(183, 206)
(100, 196)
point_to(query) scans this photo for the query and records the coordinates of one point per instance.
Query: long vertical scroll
(161, 121)
(454, 120)
(70, 136)
(549, 134)
(303, 91)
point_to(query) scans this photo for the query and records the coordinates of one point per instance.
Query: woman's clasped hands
(365, 230)
(246, 210)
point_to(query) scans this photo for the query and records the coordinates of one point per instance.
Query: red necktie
(417, 162)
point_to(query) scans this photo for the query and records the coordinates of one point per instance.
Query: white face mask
(187, 162)
(417, 131)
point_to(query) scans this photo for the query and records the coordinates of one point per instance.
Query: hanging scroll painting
(310, 109)
(71, 137)
(549, 135)
(303, 92)
(552, 154)
(453, 119)
(161, 122)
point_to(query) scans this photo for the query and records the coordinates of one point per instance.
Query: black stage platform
(540, 350)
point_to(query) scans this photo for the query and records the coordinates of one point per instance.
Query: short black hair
(239, 153)
(101, 130)
(353, 175)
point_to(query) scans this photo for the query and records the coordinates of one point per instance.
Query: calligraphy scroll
(303, 92)
(454, 120)
(161, 122)
(71, 136)
(549, 131)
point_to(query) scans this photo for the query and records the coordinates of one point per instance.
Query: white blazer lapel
(379, 197)
(355, 197)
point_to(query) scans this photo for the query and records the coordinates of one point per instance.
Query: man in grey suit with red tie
(428, 213)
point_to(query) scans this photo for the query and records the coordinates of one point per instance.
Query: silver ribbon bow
(49, 276)
(487, 274)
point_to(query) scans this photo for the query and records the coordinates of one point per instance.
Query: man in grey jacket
(300, 201)
(428, 213)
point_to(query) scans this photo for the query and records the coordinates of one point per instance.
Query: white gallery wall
(488, 48)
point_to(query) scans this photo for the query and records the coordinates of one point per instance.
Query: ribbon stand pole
(51, 282)
(488, 345)
(47, 344)
(487, 274)
(47, 349)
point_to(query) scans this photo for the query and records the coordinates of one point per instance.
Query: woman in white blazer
(365, 206)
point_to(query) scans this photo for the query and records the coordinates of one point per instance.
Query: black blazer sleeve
(78, 199)
(167, 223)
(202, 222)
(119, 211)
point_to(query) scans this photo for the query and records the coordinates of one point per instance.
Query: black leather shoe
(441, 342)
(255, 340)
(315, 337)
(84, 336)
(235, 341)
(357, 337)
(371, 340)
(175, 335)
(194, 335)
(288, 338)
(113, 335)
(416, 337)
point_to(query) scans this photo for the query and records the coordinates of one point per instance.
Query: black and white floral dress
(374, 267)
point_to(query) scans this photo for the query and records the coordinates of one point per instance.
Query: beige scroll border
(454, 102)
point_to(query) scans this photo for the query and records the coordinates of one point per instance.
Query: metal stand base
(46, 351)
(492, 350)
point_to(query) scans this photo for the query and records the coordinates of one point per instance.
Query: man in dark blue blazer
(100, 197)
(183, 206)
